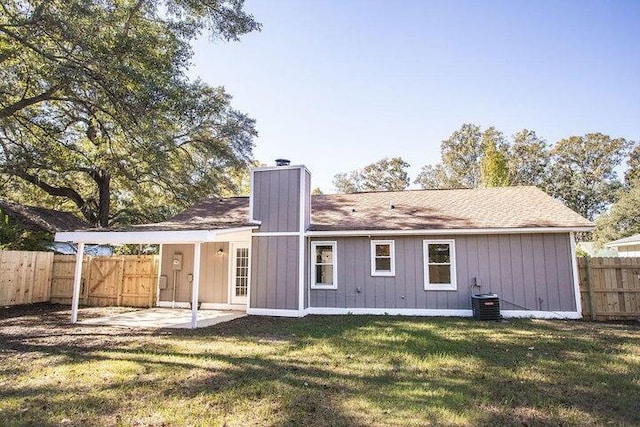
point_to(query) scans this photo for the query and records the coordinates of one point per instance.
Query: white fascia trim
(277, 234)
(222, 306)
(574, 272)
(391, 311)
(145, 237)
(534, 314)
(276, 312)
(438, 232)
(251, 218)
(301, 245)
(279, 168)
(170, 304)
(442, 312)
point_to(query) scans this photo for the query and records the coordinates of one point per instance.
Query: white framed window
(439, 265)
(383, 258)
(324, 271)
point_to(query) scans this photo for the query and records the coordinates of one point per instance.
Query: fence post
(592, 312)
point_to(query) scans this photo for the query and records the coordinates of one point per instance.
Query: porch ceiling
(148, 237)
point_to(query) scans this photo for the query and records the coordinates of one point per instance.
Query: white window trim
(392, 253)
(453, 286)
(334, 248)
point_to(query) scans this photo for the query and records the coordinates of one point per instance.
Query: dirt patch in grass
(316, 371)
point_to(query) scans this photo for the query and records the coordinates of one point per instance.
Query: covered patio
(192, 236)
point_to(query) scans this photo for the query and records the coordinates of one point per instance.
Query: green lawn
(316, 371)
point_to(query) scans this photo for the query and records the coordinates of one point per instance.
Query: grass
(319, 370)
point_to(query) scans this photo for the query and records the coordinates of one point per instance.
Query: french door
(239, 273)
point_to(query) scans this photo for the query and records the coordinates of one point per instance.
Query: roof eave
(451, 231)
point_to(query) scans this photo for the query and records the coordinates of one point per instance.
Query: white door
(239, 273)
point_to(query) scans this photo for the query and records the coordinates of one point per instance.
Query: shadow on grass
(378, 370)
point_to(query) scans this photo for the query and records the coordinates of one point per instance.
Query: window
(383, 258)
(323, 261)
(439, 265)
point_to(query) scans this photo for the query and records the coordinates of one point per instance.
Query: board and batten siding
(527, 271)
(274, 274)
(276, 199)
(214, 273)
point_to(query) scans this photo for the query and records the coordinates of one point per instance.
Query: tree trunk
(104, 189)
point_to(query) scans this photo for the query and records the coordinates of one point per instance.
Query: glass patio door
(239, 273)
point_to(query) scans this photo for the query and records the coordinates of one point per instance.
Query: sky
(339, 84)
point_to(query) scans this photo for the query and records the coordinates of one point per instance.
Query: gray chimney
(282, 162)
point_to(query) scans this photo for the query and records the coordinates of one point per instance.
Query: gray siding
(527, 271)
(274, 274)
(276, 199)
(214, 273)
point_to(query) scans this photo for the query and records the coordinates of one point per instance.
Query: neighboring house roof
(41, 219)
(627, 241)
(590, 249)
(489, 208)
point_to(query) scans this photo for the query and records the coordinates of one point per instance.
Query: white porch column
(77, 280)
(195, 286)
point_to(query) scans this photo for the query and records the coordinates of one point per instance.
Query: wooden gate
(610, 287)
(107, 281)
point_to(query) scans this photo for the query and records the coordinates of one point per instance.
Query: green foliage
(623, 219)
(582, 173)
(462, 156)
(383, 175)
(133, 249)
(494, 171)
(15, 238)
(317, 191)
(96, 109)
(632, 176)
(528, 160)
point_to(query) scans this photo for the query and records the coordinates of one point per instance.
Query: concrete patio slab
(164, 318)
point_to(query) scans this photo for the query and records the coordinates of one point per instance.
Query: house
(46, 222)
(283, 252)
(591, 249)
(40, 219)
(627, 247)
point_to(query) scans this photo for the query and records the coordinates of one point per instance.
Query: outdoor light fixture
(220, 252)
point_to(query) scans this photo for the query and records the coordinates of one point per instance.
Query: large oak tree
(96, 108)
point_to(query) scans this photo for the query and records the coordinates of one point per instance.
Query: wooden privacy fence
(107, 280)
(25, 277)
(609, 287)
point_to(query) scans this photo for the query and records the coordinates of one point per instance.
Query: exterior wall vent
(282, 162)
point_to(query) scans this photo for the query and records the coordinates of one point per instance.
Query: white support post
(77, 280)
(195, 286)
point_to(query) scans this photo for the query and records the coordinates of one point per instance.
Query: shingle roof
(508, 207)
(41, 219)
(504, 207)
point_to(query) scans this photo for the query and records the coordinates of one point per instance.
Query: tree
(317, 191)
(462, 155)
(383, 175)
(632, 176)
(583, 172)
(623, 219)
(528, 160)
(494, 171)
(95, 107)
